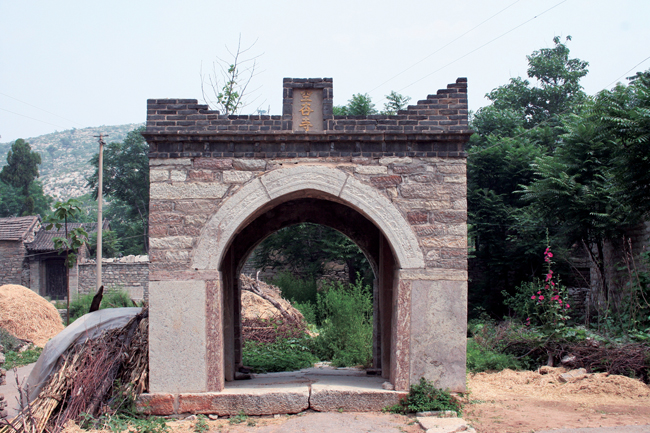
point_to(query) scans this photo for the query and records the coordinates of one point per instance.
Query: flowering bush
(542, 303)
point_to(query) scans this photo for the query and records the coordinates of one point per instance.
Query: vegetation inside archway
(337, 309)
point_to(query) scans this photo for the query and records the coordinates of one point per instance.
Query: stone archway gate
(396, 185)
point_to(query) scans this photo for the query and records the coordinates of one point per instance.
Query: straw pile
(27, 315)
(266, 315)
(86, 378)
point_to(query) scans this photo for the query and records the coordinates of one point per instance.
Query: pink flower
(560, 301)
(541, 298)
(567, 306)
(546, 286)
(552, 283)
(550, 255)
(532, 297)
(539, 293)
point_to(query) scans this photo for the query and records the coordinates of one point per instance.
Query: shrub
(112, 299)
(346, 334)
(484, 359)
(296, 289)
(286, 354)
(423, 397)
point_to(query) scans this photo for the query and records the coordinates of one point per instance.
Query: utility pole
(100, 217)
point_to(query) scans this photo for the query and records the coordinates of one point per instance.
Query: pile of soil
(545, 383)
(254, 306)
(27, 315)
(523, 401)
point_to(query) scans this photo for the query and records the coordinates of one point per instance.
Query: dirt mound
(254, 306)
(547, 385)
(27, 315)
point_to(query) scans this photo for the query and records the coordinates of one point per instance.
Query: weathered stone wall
(211, 174)
(125, 274)
(14, 269)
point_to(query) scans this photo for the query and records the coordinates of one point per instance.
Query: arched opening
(319, 208)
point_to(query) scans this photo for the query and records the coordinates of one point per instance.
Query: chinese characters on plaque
(307, 110)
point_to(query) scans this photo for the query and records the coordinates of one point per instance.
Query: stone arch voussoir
(237, 209)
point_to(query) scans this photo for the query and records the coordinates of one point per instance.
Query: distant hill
(66, 157)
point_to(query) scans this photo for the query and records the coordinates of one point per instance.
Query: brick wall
(13, 267)
(132, 277)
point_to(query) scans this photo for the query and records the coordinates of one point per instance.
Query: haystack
(27, 315)
(254, 306)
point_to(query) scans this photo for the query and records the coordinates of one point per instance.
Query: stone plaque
(307, 110)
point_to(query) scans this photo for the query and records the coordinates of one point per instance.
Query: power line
(628, 71)
(32, 118)
(484, 45)
(544, 122)
(444, 46)
(38, 108)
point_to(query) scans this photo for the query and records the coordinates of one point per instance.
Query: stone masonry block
(213, 163)
(235, 176)
(164, 191)
(250, 164)
(417, 217)
(155, 404)
(371, 169)
(276, 399)
(386, 181)
(158, 175)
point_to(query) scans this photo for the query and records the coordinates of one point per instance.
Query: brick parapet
(435, 126)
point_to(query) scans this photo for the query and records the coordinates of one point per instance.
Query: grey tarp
(86, 327)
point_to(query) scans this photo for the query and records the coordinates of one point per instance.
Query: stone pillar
(177, 336)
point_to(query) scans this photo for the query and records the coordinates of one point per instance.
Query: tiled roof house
(15, 233)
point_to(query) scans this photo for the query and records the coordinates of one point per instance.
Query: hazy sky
(67, 64)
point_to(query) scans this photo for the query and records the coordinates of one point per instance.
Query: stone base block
(251, 402)
(156, 404)
(328, 398)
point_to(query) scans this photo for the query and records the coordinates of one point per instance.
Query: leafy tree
(73, 240)
(523, 123)
(396, 102)
(126, 185)
(304, 250)
(20, 174)
(358, 105)
(228, 82)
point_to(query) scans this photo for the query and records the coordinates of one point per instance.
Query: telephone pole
(100, 217)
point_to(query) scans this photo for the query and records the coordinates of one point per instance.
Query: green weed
(239, 418)
(201, 424)
(423, 397)
(287, 354)
(18, 359)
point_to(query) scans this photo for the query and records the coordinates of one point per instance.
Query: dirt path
(513, 402)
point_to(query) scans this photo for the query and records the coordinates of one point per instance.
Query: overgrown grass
(346, 332)
(484, 359)
(19, 359)
(286, 354)
(111, 299)
(296, 289)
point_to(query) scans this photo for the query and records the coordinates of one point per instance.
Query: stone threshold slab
(283, 399)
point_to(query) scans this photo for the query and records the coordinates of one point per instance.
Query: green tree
(304, 250)
(523, 123)
(21, 173)
(126, 185)
(72, 241)
(358, 105)
(396, 102)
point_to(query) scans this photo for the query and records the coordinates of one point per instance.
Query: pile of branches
(92, 378)
(270, 330)
(629, 359)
